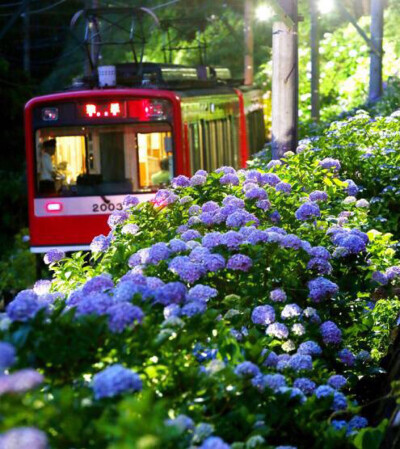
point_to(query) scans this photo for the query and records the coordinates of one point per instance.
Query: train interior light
(50, 114)
(54, 207)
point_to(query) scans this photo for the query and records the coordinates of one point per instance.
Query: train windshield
(102, 160)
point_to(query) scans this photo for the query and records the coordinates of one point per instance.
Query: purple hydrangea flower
(263, 204)
(275, 217)
(194, 210)
(190, 235)
(171, 293)
(201, 173)
(321, 266)
(193, 308)
(331, 334)
(307, 211)
(123, 315)
(211, 240)
(214, 443)
(329, 162)
(173, 310)
(42, 286)
(241, 218)
(274, 381)
(23, 438)
(180, 181)
(116, 218)
(319, 252)
(20, 381)
(7, 355)
(337, 381)
(304, 384)
(247, 369)
(278, 295)
(130, 201)
(100, 283)
(269, 178)
(100, 244)
(274, 163)
(198, 180)
(114, 381)
(347, 357)
(95, 303)
(187, 270)
(318, 195)
(52, 256)
(300, 362)
(198, 254)
(277, 330)
(232, 239)
(291, 241)
(201, 293)
(353, 242)
(126, 290)
(271, 360)
(309, 348)
(283, 362)
(351, 188)
(284, 187)
(363, 203)
(321, 288)
(214, 262)
(186, 199)
(253, 175)
(159, 252)
(177, 245)
(229, 178)
(291, 311)
(239, 262)
(164, 197)
(379, 277)
(256, 193)
(263, 315)
(24, 307)
(392, 272)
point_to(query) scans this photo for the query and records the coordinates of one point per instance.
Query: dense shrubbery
(237, 308)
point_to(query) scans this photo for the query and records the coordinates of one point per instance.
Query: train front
(87, 150)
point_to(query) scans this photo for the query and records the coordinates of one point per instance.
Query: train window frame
(143, 128)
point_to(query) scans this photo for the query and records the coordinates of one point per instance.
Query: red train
(88, 148)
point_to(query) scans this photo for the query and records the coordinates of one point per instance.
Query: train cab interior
(103, 160)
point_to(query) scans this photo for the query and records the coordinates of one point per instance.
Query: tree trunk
(375, 77)
(285, 82)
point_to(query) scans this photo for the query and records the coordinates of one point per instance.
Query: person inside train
(163, 176)
(47, 171)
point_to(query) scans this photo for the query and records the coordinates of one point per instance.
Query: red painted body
(79, 230)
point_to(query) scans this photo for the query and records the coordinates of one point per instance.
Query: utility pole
(93, 36)
(314, 36)
(284, 79)
(375, 73)
(27, 38)
(248, 43)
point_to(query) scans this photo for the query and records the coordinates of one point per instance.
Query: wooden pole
(248, 43)
(285, 81)
(314, 36)
(375, 73)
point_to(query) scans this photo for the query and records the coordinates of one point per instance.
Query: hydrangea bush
(236, 309)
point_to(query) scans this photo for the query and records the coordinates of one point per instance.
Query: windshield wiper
(106, 200)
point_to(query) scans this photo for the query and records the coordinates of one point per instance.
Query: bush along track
(237, 309)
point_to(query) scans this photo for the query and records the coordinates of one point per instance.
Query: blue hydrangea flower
(214, 262)
(229, 178)
(130, 201)
(247, 369)
(347, 357)
(231, 200)
(278, 295)
(100, 244)
(7, 355)
(186, 199)
(263, 204)
(53, 256)
(321, 266)
(24, 307)
(357, 422)
(130, 229)
(339, 424)
(158, 252)
(274, 381)
(275, 217)
(269, 178)
(337, 381)
(291, 311)
(212, 240)
(178, 245)
(283, 362)
(241, 218)
(321, 288)
(201, 293)
(319, 252)
(339, 401)
(95, 303)
(300, 362)
(309, 348)
(284, 187)
(198, 180)
(187, 270)
(307, 211)
(171, 293)
(324, 391)
(331, 334)
(193, 308)
(257, 193)
(318, 195)
(182, 422)
(201, 173)
(379, 277)
(100, 283)
(20, 381)
(351, 188)
(173, 310)
(263, 315)
(190, 235)
(239, 262)
(392, 272)
(203, 354)
(232, 239)
(116, 218)
(23, 438)
(329, 162)
(180, 181)
(294, 393)
(114, 381)
(272, 359)
(225, 169)
(304, 384)
(277, 330)
(291, 241)
(214, 443)
(123, 315)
